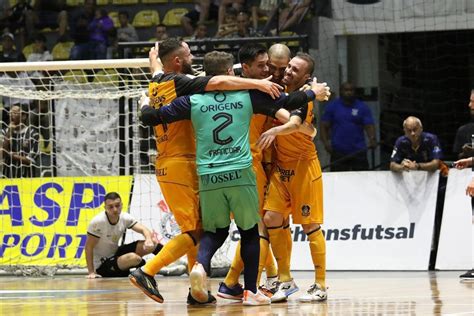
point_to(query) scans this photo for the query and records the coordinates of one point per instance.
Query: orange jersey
(296, 146)
(258, 125)
(176, 139)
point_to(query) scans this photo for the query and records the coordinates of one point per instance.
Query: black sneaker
(146, 283)
(191, 301)
(468, 276)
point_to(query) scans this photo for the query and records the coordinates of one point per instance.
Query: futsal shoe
(146, 283)
(255, 299)
(231, 293)
(285, 289)
(316, 293)
(198, 279)
(210, 299)
(468, 276)
(271, 284)
(265, 291)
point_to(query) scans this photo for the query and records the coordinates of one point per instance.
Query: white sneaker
(198, 279)
(285, 289)
(315, 294)
(252, 299)
(272, 284)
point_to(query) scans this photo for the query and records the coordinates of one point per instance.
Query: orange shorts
(296, 188)
(179, 184)
(262, 182)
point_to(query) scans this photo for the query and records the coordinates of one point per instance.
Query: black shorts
(109, 267)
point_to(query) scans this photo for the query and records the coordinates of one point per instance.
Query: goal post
(89, 142)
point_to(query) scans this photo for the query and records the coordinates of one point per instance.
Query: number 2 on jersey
(215, 132)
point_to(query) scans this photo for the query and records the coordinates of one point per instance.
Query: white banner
(374, 220)
(455, 248)
(87, 137)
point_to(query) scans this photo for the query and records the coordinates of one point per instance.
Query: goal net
(83, 138)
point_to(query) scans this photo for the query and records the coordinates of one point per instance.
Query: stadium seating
(146, 18)
(114, 16)
(120, 2)
(154, 1)
(62, 50)
(27, 50)
(173, 16)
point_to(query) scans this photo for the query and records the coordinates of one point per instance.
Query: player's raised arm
(155, 63)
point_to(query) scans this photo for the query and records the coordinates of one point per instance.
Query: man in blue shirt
(344, 122)
(416, 150)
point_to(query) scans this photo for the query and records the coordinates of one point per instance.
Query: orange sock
(236, 268)
(264, 247)
(278, 242)
(317, 246)
(289, 242)
(271, 268)
(172, 251)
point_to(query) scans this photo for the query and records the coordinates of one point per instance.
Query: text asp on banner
(44, 221)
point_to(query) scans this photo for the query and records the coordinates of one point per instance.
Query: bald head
(413, 129)
(279, 51)
(279, 56)
(412, 122)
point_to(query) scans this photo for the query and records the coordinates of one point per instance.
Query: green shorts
(225, 192)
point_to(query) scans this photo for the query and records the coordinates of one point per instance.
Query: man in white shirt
(103, 255)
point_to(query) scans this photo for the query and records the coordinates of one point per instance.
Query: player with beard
(296, 188)
(175, 165)
(224, 164)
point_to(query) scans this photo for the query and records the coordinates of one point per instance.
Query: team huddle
(236, 148)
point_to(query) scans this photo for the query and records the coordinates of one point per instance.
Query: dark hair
(250, 51)
(160, 25)
(112, 196)
(40, 38)
(123, 12)
(217, 63)
(309, 60)
(168, 47)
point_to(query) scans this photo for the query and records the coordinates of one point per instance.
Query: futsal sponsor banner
(44, 221)
(86, 137)
(374, 221)
(455, 248)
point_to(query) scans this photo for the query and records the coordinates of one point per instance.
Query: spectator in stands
(20, 145)
(243, 25)
(342, 131)
(199, 34)
(416, 150)
(40, 51)
(293, 13)
(224, 5)
(104, 257)
(15, 20)
(80, 30)
(9, 53)
(161, 33)
(203, 10)
(229, 27)
(100, 29)
(47, 13)
(463, 143)
(126, 32)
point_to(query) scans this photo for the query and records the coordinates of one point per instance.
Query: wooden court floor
(350, 293)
